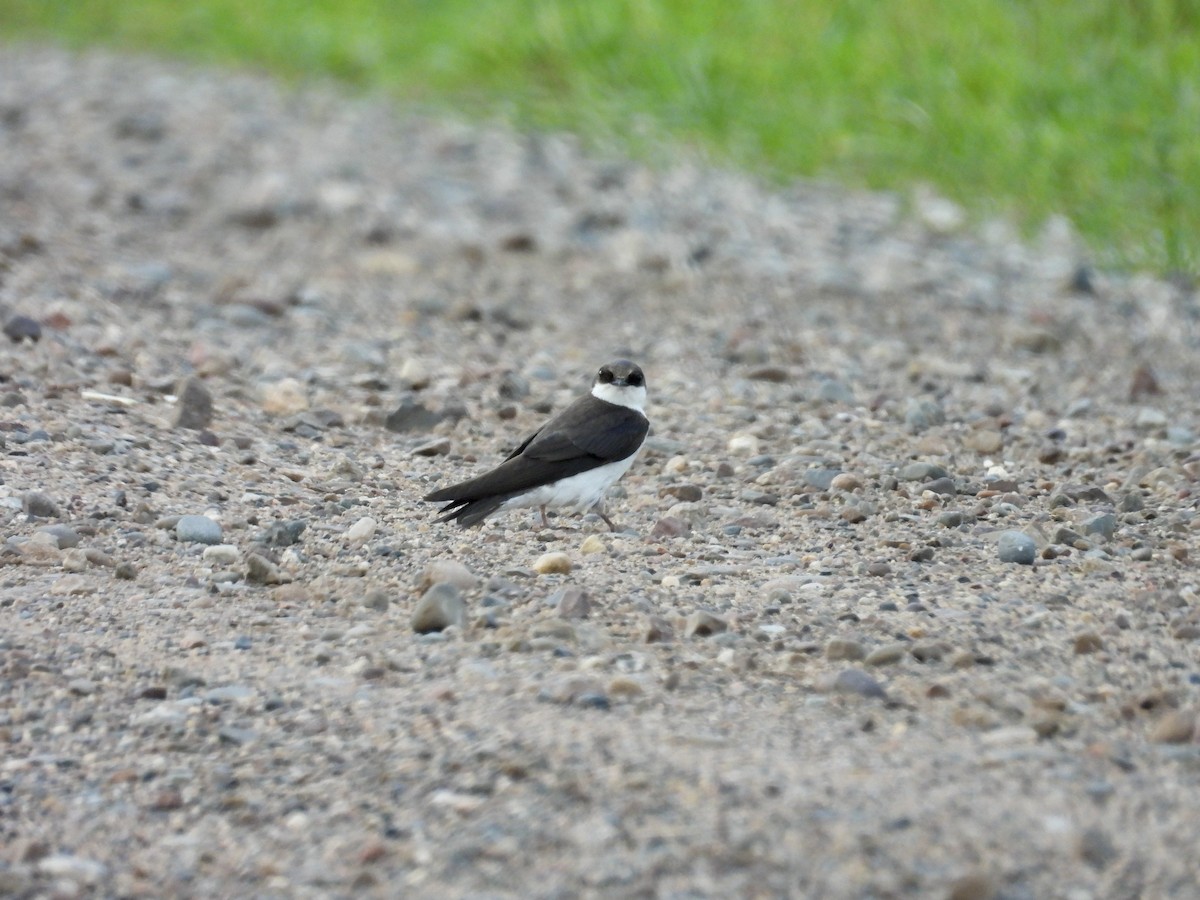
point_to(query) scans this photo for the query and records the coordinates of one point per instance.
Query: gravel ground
(904, 604)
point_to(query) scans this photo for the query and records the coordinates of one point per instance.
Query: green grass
(1024, 108)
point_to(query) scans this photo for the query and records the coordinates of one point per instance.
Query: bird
(568, 462)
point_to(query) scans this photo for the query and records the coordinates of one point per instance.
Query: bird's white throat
(621, 395)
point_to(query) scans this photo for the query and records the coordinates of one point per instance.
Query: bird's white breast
(582, 491)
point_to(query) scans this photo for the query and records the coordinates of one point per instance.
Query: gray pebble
(411, 415)
(23, 328)
(843, 648)
(951, 518)
(439, 607)
(198, 530)
(571, 602)
(856, 681)
(1016, 547)
(922, 413)
(821, 479)
(194, 408)
(702, 623)
(260, 570)
(921, 471)
(1104, 525)
(283, 534)
(831, 390)
(66, 536)
(377, 600)
(887, 655)
(39, 504)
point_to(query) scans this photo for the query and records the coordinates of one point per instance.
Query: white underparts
(621, 395)
(582, 491)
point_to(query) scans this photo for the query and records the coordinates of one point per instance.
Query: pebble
(670, 527)
(571, 602)
(65, 537)
(39, 505)
(23, 328)
(377, 600)
(921, 471)
(656, 630)
(1177, 726)
(411, 415)
(436, 447)
(283, 534)
(260, 570)
(76, 868)
(553, 563)
(1088, 642)
(221, 554)
(361, 531)
(853, 681)
(439, 607)
(922, 414)
(198, 530)
(285, 397)
(1016, 547)
(887, 655)
(74, 561)
(984, 440)
(844, 648)
(1104, 525)
(448, 571)
(194, 404)
(743, 444)
(843, 481)
(831, 390)
(593, 543)
(702, 623)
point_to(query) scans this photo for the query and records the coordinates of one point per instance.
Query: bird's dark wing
(587, 434)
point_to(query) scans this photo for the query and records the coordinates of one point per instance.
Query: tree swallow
(570, 461)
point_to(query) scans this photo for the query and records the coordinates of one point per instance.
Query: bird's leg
(599, 508)
(545, 521)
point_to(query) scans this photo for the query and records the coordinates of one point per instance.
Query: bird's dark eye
(605, 376)
(636, 379)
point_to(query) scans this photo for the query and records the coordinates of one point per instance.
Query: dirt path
(814, 664)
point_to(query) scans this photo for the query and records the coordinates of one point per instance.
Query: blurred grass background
(1020, 108)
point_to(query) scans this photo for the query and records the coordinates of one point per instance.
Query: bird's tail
(465, 512)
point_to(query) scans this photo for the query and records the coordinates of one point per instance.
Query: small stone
(411, 415)
(656, 630)
(928, 651)
(260, 570)
(197, 530)
(39, 505)
(1144, 383)
(774, 374)
(571, 602)
(553, 563)
(743, 444)
(952, 518)
(1104, 525)
(973, 886)
(377, 600)
(1096, 848)
(1178, 726)
(436, 447)
(984, 440)
(74, 868)
(879, 569)
(126, 571)
(1088, 642)
(856, 681)
(843, 648)
(593, 543)
(82, 687)
(702, 623)
(688, 493)
(74, 561)
(361, 531)
(439, 607)
(670, 527)
(448, 571)
(1016, 547)
(843, 481)
(887, 655)
(833, 390)
(285, 397)
(221, 554)
(194, 406)
(283, 534)
(922, 413)
(1151, 419)
(921, 471)
(65, 537)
